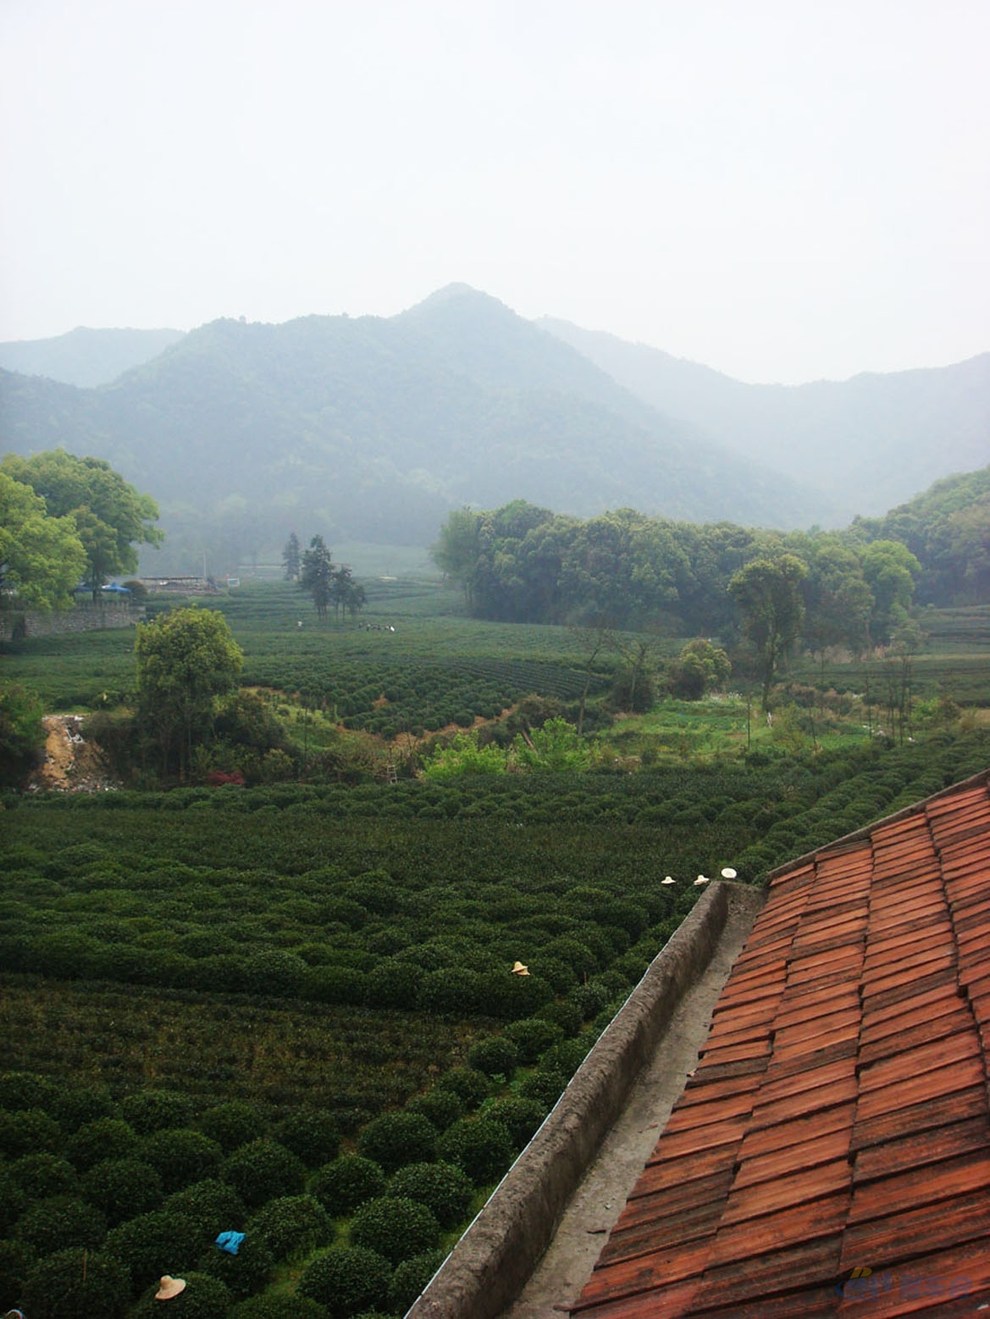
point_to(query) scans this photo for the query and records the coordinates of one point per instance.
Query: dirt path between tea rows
(71, 763)
(602, 1195)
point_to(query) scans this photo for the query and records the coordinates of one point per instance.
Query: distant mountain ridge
(374, 428)
(867, 443)
(85, 357)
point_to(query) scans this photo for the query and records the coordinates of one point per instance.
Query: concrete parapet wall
(18, 623)
(495, 1257)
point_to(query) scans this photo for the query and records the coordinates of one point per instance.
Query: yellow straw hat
(169, 1287)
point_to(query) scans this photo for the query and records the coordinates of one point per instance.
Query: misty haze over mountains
(374, 428)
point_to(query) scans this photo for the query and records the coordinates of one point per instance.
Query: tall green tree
(891, 571)
(457, 550)
(111, 516)
(291, 558)
(186, 660)
(41, 557)
(317, 575)
(345, 592)
(768, 593)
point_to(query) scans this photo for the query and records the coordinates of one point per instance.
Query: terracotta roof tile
(830, 1154)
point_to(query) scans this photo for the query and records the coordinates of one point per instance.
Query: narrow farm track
(71, 763)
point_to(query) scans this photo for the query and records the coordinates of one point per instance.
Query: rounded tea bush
(532, 1036)
(153, 1110)
(214, 1205)
(232, 1124)
(156, 1243)
(282, 1306)
(85, 1103)
(496, 1056)
(263, 1169)
(519, 1115)
(60, 1222)
(13, 1201)
(395, 1227)
(243, 1273)
(28, 1131)
(103, 1138)
(346, 1182)
(204, 1298)
(17, 1259)
(479, 1147)
(444, 1188)
(395, 1139)
(310, 1133)
(291, 1225)
(180, 1155)
(20, 1090)
(41, 1175)
(122, 1188)
(441, 1107)
(410, 1279)
(470, 1085)
(347, 1280)
(545, 1086)
(76, 1284)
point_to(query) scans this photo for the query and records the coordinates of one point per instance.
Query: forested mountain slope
(867, 443)
(375, 428)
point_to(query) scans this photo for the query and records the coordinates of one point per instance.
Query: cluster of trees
(526, 564)
(65, 519)
(314, 570)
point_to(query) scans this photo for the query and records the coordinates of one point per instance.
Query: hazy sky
(782, 189)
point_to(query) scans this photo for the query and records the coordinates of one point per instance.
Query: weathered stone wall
(18, 623)
(492, 1262)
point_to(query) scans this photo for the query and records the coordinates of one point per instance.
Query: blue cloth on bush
(230, 1241)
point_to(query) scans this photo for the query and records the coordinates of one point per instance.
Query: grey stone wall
(18, 623)
(492, 1262)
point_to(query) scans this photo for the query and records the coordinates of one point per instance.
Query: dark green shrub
(470, 1085)
(263, 1169)
(395, 1227)
(205, 1297)
(232, 1124)
(411, 1277)
(60, 1222)
(243, 1273)
(545, 1086)
(214, 1205)
(347, 1280)
(291, 1225)
(439, 1106)
(443, 1188)
(310, 1133)
(393, 984)
(532, 1036)
(17, 1259)
(453, 990)
(76, 1284)
(282, 1306)
(519, 1115)
(480, 1147)
(13, 1201)
(180, 1156)
(395, 1139)
(346, 1182)
(122, 1188)
(104, 1138)
(73, 1107)
(496, 1056)
(28, 1131)
(20, 1090)
(41, 1175)
(154, 1110)
(568, 1055)
(154, 1244)
(565, 1014)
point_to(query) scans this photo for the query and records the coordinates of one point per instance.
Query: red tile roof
(831, 1153)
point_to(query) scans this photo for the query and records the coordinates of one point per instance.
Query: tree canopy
(186, 660)
(41, 557)
(111, 517)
